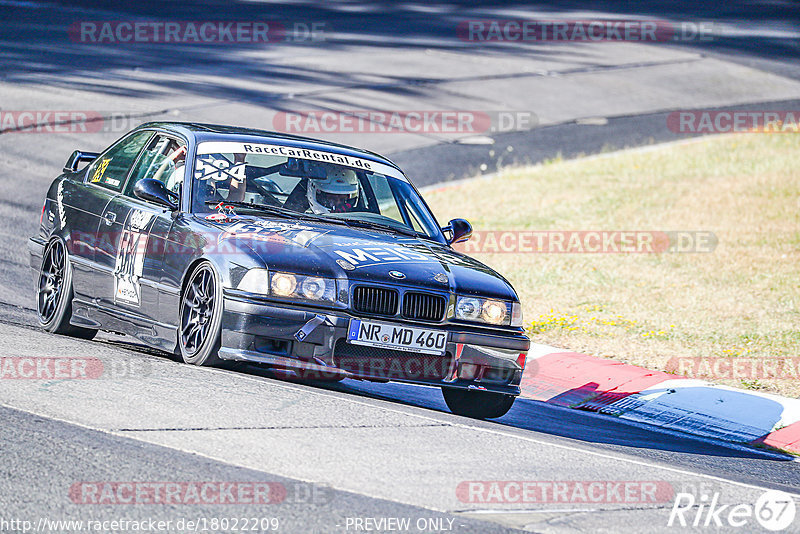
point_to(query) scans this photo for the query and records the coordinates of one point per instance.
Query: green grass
(742, 299)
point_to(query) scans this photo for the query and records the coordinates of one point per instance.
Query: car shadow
(542, 417)
(537, 417)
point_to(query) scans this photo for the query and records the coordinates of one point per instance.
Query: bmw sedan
(227, 244)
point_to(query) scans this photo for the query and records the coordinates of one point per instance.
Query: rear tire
(200, 320)
(54, 293)
(477, 404)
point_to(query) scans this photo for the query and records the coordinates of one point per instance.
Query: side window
(411, 209)
(397, 200)
(387, 203)
(164, 160)
(111, 168)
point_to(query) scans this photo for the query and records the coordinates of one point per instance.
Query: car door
(140, 229)
(103, 180)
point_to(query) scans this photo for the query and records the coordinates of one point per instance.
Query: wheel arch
(193, 266)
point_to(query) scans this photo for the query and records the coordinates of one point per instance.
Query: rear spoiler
(77, 158)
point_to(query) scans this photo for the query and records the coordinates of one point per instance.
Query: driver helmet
(336, 193)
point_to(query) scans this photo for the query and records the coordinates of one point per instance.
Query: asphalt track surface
(353, 450)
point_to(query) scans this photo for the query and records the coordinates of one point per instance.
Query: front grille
(388, 364)
(423, 306)
(375, 300)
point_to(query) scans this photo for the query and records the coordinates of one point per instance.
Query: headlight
(283, 284)
(489, 311)
(303, 287)
(288, 285)
(255, 281)
(468, 308)
(494, 311)
(313, 288)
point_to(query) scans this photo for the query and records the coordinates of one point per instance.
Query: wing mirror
(77, 158)
(155, 192)
(460, 230)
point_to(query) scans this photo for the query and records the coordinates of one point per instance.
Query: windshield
(253, 178)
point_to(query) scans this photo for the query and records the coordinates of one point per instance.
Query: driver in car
(177, 155)
(336, 193)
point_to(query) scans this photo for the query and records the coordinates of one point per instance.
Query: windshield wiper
(292, 214)
(276, 210)
(378, 226)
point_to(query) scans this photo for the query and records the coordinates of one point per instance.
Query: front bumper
(313, 344)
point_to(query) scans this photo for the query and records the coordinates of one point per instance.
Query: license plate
(405, 338)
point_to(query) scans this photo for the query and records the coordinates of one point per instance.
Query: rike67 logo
(774, 510)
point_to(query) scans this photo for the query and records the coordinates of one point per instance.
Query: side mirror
(155, 192)
(460, 230)
(77, 158)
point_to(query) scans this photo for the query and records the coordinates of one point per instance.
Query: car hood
(334, 250)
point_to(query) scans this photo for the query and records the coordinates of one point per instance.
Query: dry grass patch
(741, 301)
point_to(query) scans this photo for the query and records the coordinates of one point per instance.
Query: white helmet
(336, 193)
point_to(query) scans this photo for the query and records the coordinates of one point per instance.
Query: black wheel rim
(51, 281)
(197, 310)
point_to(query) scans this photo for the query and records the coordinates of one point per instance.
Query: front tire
(200, 322)
(477, 404)
(54, 293)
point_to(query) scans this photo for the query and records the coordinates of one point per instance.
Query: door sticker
(130, 257)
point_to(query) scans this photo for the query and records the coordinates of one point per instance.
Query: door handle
(109, 218)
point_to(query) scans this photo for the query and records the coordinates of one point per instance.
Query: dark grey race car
(321, 260)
